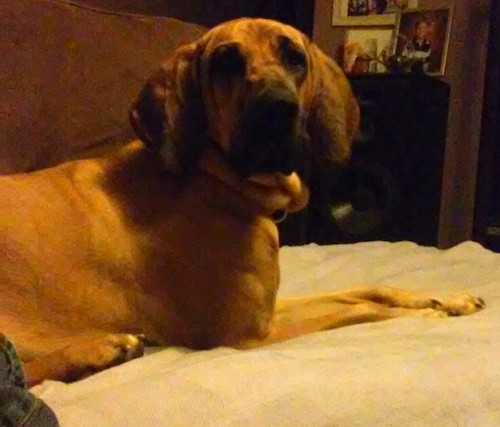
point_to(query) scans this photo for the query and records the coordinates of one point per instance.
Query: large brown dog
(172, 238)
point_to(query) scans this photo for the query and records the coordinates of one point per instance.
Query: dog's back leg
(303, 315)
(82, 357)
(458, 304)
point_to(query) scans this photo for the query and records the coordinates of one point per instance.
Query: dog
(171, 238)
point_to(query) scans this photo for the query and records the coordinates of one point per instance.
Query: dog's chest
(217, 275)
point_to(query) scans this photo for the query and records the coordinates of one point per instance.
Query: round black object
(363, 201)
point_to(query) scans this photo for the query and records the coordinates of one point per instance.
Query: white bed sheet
(402, 372)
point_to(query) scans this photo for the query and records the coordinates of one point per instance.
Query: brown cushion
(69, 74)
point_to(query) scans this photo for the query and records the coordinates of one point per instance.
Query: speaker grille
(391, 189)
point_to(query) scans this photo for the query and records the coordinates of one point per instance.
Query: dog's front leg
(82, 357)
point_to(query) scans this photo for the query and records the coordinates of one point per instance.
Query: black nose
(271, 118)
(268, 140)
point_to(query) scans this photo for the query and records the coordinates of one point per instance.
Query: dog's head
(259, 89)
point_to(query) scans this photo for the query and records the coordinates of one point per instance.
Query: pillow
(69, 74)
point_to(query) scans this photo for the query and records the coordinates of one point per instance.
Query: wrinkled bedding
(401, 372)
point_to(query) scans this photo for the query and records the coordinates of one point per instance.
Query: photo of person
(365, 7)
(419, 47)
(376, 7)
(369, 13)
(423, 36)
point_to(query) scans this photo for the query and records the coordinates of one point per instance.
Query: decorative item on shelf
(422, 41)
(404, 65)
(353, 13)
(366, 50)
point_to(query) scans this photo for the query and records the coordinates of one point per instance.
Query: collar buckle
(279, 215)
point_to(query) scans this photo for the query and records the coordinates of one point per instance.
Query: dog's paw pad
(430, 312)
(453, 313)
(90, 355)
(479, 303)
(435, 304)
(125, 347)
(460, 305)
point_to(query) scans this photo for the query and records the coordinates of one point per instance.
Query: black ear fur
(334, 115)
(169, 114)
(148, 115)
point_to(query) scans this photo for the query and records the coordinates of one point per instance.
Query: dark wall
(298, 13)
(487, 215)
(211, 12)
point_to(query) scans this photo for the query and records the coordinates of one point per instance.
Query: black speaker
(391, 189)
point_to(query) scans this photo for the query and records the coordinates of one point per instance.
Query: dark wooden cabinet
(487, 212)
(391, 188)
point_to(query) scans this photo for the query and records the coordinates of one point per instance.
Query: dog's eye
(228, 61)
(292, 55)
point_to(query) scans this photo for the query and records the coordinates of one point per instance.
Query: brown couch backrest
(68, 75)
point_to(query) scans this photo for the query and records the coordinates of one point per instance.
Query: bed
(70, 74)
(401, 372)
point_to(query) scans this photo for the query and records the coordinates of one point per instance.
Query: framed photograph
(424, 35)
(368, 12)
(365, 50)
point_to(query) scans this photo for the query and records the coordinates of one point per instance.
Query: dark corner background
(299, 13)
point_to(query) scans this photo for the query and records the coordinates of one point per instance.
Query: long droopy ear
(169, 116)
(334, 111)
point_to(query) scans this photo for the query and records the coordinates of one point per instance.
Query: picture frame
(366, 49)
(424, 34)
(354, 13)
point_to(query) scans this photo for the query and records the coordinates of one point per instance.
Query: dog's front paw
(90, 355)
(459, 305)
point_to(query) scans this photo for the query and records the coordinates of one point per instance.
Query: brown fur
(98, 256)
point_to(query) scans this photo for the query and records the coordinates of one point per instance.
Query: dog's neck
(272, 195)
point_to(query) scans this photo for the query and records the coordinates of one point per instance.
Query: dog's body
(116, 244)
(94, 252)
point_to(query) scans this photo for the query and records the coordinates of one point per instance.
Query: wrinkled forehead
(252, 34)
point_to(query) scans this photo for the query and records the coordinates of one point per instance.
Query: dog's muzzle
(268, 138)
